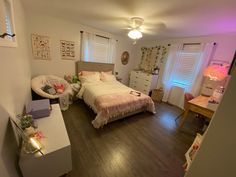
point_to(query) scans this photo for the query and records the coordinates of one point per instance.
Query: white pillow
(105, 77)
(90, 78)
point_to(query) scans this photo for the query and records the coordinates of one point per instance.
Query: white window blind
(8, 18)
(100, 49)
(97, 48)
(2, 17)
(7, 23)
(185, 69)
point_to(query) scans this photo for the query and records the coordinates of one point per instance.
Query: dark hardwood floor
(144, 145)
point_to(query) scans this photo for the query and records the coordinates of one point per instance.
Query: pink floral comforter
(112, 105)
(112, 99)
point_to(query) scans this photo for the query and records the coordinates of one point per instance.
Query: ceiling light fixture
(135, 32)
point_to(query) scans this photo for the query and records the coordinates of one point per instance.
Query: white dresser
(56, 160)
(143, 82)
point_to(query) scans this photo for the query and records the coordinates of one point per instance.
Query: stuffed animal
(60, 88)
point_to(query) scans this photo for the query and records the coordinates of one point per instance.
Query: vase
(29, 131)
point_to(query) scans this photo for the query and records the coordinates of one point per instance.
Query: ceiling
(162, 18)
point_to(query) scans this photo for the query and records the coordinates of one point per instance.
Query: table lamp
(216, 72)
(215, 75)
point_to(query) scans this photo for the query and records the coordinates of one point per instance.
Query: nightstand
(56, 160)
(119, 79)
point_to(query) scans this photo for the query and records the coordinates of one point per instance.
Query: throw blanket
(112, 105)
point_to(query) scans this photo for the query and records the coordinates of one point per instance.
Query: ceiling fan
(135, 30)
(137, 27)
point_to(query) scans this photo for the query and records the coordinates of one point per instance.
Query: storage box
(157, 94)
(39, 108)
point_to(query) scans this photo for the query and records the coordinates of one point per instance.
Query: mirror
(125, 58)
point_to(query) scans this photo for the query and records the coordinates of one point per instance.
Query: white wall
(59, 29)
(124, 70)
(14, 91)
(225, 48)
(216, 156)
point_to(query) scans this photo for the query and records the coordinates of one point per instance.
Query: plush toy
(60, 88)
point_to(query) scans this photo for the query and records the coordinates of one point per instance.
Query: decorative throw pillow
(107, 77)
(107, 72)
(90, 78)
(60, 88)
(87, 73)
(48, 89)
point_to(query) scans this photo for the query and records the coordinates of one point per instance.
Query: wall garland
(152, 58)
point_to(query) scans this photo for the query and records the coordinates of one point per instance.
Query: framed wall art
(67, 50)
(40, 47)
(219, 63)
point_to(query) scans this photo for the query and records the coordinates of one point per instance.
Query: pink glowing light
(216, 72)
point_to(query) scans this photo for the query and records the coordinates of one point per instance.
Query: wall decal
(67, 50)
(40, 47)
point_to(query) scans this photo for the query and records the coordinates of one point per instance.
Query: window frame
(5, 42)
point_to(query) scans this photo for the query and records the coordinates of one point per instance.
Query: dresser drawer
(133, 82)
(134, 77)
(133, 87)
(142, 82)
(145, 76)
(145, 86)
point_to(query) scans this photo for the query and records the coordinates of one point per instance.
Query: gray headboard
(92, 66)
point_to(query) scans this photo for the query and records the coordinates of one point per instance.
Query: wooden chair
(187, 97)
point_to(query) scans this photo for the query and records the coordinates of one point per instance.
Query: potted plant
(26, 123)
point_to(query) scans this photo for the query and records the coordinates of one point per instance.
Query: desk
(198, 105)
(56, 160)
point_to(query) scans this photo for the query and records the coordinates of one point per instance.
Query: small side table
(119, 79)
(76, 88)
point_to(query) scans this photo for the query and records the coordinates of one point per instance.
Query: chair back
(187, 97)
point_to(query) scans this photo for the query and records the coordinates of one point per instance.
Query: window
(96, 48)
(186, 66)
(7, 23)
(185, 69)
(100, 49)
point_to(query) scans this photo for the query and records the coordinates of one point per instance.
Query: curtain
(206, 56)
(87, 46)
(97, 49)
(112, 47)
(169, 65)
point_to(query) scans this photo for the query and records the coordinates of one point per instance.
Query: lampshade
(215, 72)
(135, 34)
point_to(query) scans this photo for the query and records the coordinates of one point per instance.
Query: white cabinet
(143, 82)
(56, 160)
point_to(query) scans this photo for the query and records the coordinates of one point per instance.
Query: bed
(107, 97)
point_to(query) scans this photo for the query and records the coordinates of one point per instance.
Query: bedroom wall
(225, 47)
(59, 29)
(216, 156)
(14, 91)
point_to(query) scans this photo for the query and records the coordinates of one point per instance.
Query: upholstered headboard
(92, 66)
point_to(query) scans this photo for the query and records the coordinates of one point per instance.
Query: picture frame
(219, 63)
(40, 47)
(67, 49)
